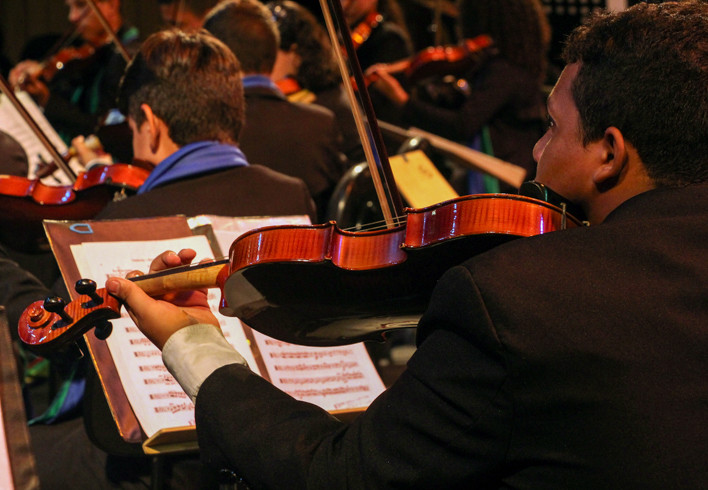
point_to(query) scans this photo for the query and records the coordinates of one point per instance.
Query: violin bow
(371, 138)
(56, 156)
(109, 30)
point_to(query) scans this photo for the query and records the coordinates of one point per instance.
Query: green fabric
(58, 402)
(491, 184)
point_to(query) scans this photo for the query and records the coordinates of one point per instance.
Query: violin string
(376, 225)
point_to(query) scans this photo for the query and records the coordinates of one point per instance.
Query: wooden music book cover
(148, 405)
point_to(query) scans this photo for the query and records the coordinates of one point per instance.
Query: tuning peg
(103, 330)
(55, 304)
(88, 287)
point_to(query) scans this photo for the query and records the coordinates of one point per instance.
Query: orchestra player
(574, 359)
(76, 97)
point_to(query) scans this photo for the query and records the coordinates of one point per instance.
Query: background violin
(26, 202)
(438, 62)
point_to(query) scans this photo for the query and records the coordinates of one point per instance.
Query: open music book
(339, 379)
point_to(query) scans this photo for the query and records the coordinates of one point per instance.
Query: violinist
(76, 97)
(496, 104)
(308, 133)
(306, 70)
(378, 31)
(574, 359)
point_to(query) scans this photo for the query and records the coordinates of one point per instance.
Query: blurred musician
(76, 96)
(378, 31)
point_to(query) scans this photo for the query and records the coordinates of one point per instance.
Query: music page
(334, 378)
(157, 399)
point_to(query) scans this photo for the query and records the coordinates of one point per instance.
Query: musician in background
(574, 359)
(77, 97)
(496, 104)
(306, 69)
(378, 31)
(309, 141)
(185, 14)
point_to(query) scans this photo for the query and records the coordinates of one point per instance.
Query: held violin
(320, 285)
(439, 61)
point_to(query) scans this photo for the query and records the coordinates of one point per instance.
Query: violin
(69, 55)
(438, 61)
(26, 202)
(320, 285)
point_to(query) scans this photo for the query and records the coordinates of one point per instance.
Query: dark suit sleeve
(444, 423)
(18, 289)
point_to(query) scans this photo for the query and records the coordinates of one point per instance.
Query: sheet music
(12, 123)
(157, 399)
(227, 229)
(334, 378)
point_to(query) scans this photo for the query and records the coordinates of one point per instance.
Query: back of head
(300, 29)
(191, 81)
(645, 71)
(519, 28)
(248, 28)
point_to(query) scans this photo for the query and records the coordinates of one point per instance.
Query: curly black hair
(645, 71)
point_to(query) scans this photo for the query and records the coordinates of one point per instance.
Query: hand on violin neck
(381, 79)
(25, 76)
(23, 70)
(89, 151)
(158, 318)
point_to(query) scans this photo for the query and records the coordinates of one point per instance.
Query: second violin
(26, 202)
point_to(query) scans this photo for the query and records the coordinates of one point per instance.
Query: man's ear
(613, 158)
(155, 126)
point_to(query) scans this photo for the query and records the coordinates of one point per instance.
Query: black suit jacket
(576, 359)
(252, 190)
(302, 140)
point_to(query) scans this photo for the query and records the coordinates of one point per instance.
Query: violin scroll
(50, 324)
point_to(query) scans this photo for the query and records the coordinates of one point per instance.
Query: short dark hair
(191, 81)
(248, 28)
(299, 28)
(645, 71)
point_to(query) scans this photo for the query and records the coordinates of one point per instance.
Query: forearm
(195, 352)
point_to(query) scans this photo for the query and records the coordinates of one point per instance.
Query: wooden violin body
(355, 286)
(320, 285)
(26, 202)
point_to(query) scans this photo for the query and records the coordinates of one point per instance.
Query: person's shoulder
(258, 171)
(313, 110)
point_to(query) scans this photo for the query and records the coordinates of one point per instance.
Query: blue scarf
(259, 81)
(194, 159)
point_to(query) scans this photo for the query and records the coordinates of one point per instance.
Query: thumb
(136, 300)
